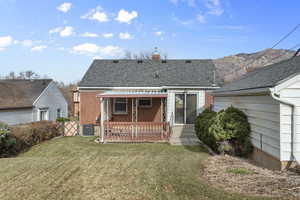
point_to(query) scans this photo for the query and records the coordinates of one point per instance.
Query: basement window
(145, 102)
(120, 106)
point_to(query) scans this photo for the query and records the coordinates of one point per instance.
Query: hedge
(228, 131)
(22, 137)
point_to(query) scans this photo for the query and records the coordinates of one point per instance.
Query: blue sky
(61, 38)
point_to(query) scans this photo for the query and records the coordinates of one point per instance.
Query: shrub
(6, 141)
(231, 131)
(202, 124)
(34, 133)
(63, 119)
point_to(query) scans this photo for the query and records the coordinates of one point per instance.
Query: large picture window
(120, 106)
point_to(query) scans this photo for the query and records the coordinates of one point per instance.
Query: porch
(134, 116)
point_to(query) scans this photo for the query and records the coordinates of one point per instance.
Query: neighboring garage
(270, 97)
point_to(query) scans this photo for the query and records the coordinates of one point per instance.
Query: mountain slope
(231, 68)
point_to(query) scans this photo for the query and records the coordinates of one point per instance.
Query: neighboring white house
(24, 101)
(270, 97)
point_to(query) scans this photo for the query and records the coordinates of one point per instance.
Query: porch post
(132, 114)
(136, 115)
(102, 118)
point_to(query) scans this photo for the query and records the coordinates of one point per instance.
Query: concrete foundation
(268, 161)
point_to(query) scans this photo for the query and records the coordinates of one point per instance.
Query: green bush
(231, 130)
(226, 132)
(202, 124)
(63, 119)
(6, 141)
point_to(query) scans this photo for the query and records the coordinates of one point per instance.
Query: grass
(77, 168)
(240, 171)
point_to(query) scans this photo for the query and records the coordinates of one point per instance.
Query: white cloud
(93, 49)
(65, 7)
(158, 33)
(182, 22)
(67, 31)
(126, 17)
(27, 43)
(108, 35)
(63, 31)
(96, 14)
(201, 18)
(125, 36)
(55, 30)
(39, 48)
(91, 35)
(86, 48)
(214, 7)
(191, 3)
(5, 41)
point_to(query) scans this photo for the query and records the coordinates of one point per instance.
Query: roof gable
(149, 73)
(21, 93)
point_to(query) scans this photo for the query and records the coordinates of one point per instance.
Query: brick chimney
(155, 54)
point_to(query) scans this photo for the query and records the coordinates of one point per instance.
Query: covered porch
(134, 116)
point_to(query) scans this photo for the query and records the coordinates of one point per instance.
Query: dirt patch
(240, 176)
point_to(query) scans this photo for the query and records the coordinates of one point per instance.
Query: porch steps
(184, 135)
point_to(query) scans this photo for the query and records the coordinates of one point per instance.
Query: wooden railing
(136, 131)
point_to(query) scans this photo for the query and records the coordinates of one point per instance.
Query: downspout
(293, 127)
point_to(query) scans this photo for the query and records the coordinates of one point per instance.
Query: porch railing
(136, 131)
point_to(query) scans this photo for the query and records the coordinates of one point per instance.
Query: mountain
(233, 67)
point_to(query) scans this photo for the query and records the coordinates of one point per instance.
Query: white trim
(145, 106)
(114, 107)
(185, 107)
(47, 113)
(42, 92)
(287, 82)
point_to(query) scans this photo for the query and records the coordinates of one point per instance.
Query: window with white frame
(120, 106)
(43, 114)
(58, 113)
(145, 102)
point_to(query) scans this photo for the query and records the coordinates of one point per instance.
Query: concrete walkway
(184, 135)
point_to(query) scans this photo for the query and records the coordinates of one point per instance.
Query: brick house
(145, 99)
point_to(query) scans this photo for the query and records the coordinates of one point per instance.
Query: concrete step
(184, 141)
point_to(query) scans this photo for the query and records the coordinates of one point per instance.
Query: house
(142, 100)
(24, 101)
(270, 97)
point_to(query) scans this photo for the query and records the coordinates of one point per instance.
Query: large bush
(6, 141)
(228, 131)
(202, 124)
(20, 138)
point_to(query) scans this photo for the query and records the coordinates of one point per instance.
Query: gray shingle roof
(20, 93)
(149, 73)
(265, 77)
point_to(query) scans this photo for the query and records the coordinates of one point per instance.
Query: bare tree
(29, 74)
(143, 55)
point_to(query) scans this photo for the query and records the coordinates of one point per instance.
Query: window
(120, 106)
(43, 114)
(58, 113)
(145, 102)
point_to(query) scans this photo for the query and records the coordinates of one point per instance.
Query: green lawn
(77, 168)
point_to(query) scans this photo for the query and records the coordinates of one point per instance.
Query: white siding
(13, 117)
(52, 99)
(290, 94)
(264, 119)
(171, 101)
